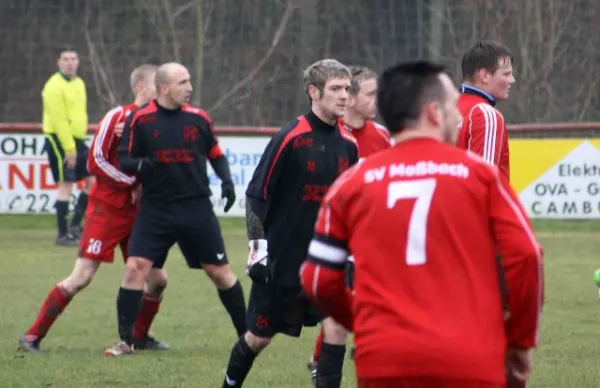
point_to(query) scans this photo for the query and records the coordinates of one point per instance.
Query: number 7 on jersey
(421, 190)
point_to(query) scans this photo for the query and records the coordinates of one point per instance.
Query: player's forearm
(255, 213)
(524, 277)
(326, 287)
(128, 165)
(221, 167)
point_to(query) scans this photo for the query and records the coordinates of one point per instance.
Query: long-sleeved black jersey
(168, 150)
(297, 167)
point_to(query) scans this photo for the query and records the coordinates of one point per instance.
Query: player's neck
(140, 101)
(354, 121)
(327, 119)
(410, 133)
(477, 85)
(167, 103)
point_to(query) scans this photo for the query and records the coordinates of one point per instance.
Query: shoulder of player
(476, 163)
(142, 110)
(485, 111)
(291, 130)
(196, 112)
(346, 135)
(379, 130)
(118, 112)
(54, 84)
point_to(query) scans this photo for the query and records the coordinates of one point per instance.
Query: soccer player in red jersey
(488, 75)
(423, 221)
(109, 219)
(371, 137)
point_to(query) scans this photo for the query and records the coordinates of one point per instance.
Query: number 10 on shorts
(421, 190)
(94, 247)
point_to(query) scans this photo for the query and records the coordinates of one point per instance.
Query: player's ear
(314, 93)
(433, 111)
(484, 76)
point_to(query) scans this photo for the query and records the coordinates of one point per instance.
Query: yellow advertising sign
(557, 178)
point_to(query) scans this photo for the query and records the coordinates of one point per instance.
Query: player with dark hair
(110, 216)
(488, 75)
(423, 221)
(371, 138)
(283, 198)
(166, 143)
(65, 126)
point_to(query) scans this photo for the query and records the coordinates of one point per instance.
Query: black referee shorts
(56, 155)
(192, 224)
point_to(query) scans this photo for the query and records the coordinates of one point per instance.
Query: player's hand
(119, 129)
(71, 160)
(519, 363)
(258, 258)
(228, 191)
(136, 194)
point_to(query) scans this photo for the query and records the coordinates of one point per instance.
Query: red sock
(55, 303)
(147, 313)
(318, 344)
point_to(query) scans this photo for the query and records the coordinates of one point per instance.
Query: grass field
(195, 324)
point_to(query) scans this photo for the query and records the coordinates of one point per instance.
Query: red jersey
(112, 185)
(371, 138)
(482, 129)
(422, 221)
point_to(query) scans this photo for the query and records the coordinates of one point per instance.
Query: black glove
(228, 191)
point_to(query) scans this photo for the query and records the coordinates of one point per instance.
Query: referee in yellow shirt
(65, 124)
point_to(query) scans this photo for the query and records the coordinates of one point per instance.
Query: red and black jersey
(178, 143)
(296, 169)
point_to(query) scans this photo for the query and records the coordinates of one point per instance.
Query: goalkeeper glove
(257, 267)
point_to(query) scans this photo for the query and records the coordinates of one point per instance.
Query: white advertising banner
(26, 185)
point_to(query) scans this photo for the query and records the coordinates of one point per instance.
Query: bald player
(166, 145)
(110, 216)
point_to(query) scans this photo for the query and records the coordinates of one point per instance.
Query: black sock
(331, 362)
(240, 363)
(233, 300)
(62, 210)
(79, 212)
(128, 307)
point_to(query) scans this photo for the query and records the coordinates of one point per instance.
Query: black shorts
(56, 155)
(275, 309)
(192, 224)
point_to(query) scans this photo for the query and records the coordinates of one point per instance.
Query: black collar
(474, 90)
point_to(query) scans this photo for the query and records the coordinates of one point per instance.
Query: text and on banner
(557, 178)
(27, 187)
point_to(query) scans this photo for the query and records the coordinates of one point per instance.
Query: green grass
(193, 321)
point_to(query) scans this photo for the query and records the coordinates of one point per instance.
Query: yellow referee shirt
(65, 110)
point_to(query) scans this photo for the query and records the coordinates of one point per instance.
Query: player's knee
(255, 342)
(137, 270)
(81, 277)
(221, 275)
(157, 282)
(64, 190)
(333, 332)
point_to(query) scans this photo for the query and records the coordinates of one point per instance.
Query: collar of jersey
(466, 88)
